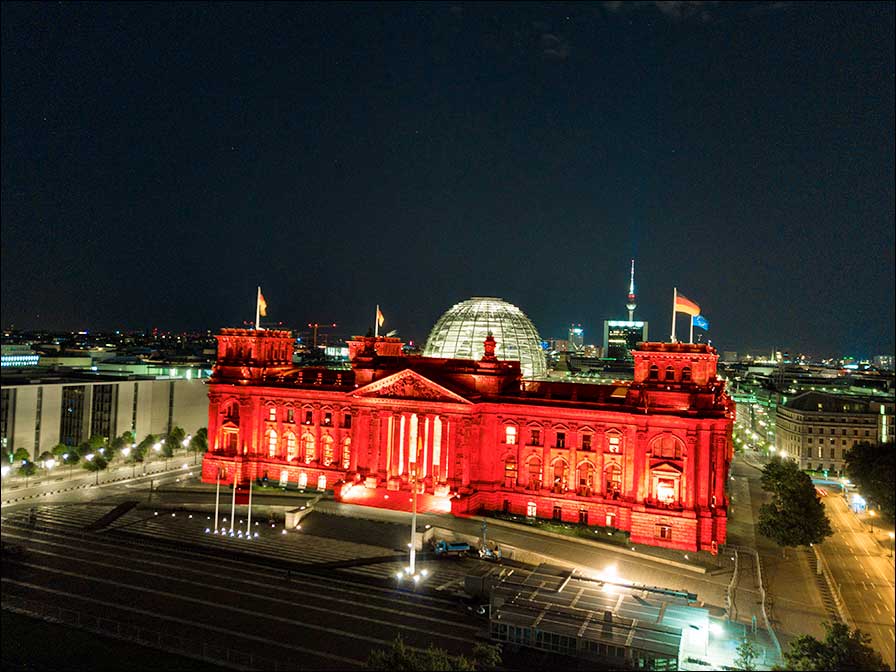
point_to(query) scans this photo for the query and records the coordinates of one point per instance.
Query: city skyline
(160, 162)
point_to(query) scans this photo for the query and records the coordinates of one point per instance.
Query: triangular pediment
(666, 467)
(408, 384)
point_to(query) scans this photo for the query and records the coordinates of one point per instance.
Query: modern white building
(39, 409)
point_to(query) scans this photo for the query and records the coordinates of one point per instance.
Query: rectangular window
(347, 420)
(610, 520)
(613, 444)
(134, 409)
(583, 516)
(832, 453)
(290, 415)
(561, 439)
(37, 412)
(308, 416)
(664, 532)
(328, 418)
(536, 437)
(531, 509)
(510, 435)
(810, 439)
(102, 419)
(586, 442)
(272, 414)
(558, 512)
(71, 426)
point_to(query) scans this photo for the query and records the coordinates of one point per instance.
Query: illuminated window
(308, 416)
(510, 435)
(328, 451)
(535, 437)
(663, 532)
(272, 414)
(291, 447)
(321, 482)
(610, 520)
(614, 443)
(612, 480)
(308, 448)
(666, 490)
(328, 418)
(303, 480)
(531, 509)
(272, 443)
(347, 452)
(290, 415)
(510, 472)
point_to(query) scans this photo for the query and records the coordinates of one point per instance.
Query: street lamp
(891, 543)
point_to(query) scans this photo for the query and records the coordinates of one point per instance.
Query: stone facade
(650, 456)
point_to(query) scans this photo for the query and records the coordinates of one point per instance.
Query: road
(864, 572)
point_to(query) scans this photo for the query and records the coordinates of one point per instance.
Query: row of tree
(98, 452)
(794, 516)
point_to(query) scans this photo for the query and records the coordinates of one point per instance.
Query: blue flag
(700, 321)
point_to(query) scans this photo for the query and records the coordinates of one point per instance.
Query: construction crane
(319, 326)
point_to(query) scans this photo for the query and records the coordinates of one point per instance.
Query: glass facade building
(461, 331)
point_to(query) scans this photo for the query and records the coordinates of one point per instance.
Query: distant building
(817, 428)
(18, 356)
(621, 338)
(576, 338)
(884, 362)
(729, 356)
(39, 409)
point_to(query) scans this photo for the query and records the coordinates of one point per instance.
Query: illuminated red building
(649, 456)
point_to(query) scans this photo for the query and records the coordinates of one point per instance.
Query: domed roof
(460, 332)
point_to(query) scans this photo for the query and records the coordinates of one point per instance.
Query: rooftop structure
(460, 332)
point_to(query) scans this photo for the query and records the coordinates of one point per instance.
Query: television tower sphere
(461, 332)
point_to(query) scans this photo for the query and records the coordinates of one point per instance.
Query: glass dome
(460, 332)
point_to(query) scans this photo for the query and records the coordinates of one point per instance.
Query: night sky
(160, 161)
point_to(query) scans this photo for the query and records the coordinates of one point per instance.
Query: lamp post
(891, 543)
(413, 467)
(871, 516)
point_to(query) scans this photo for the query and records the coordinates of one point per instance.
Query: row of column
(424, 439)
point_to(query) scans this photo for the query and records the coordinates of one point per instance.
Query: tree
(795, 516)
(402, 658)
(746, 655)
(873, 468)
(96, 463)
(145, 445)
(842, 649)
(199, 441)
(21, 455)
(27, 470)
(98, 445)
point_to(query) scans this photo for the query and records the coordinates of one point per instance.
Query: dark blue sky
(159, 161)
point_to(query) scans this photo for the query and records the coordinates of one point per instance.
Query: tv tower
(631, 305)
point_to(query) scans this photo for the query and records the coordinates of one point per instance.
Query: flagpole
(217, 499)
(233, 501)
(692, 329)
(258, 307)
(376, 322)
(674, 303)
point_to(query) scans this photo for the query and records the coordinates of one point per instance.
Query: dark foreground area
(33, 644)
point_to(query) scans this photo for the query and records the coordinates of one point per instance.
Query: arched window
(510, 435)
(510, 472)
(666, 447)
(612, 481)
(670, 373)
(686, 374)
(534, 469)
(328, 456)
(560, 476)
(654, 372)
(303, 479)
(292, 451)
(232, 412)
(346, 452)
(585, 479)
(272, 443)
(308, 448)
